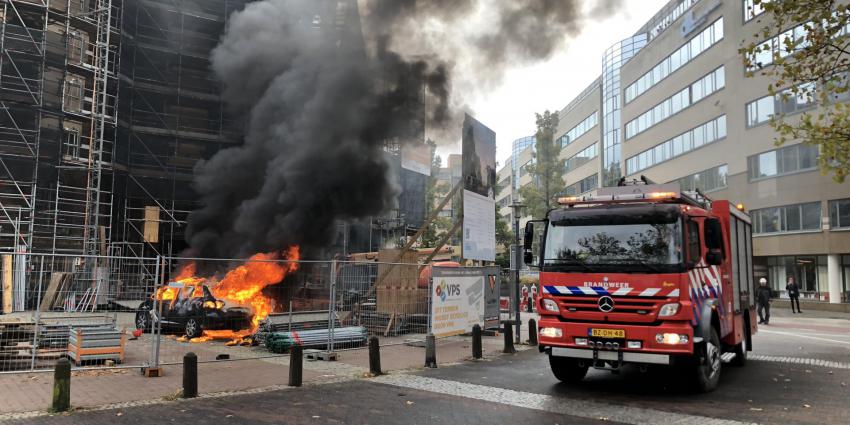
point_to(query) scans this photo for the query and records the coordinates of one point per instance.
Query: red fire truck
(646, 274)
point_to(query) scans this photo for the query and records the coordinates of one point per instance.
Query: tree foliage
(808, 47)
(547, 170)
(434, 193)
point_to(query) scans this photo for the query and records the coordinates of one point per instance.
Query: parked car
(191, 309)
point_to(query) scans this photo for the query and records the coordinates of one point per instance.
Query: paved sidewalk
(32, 391)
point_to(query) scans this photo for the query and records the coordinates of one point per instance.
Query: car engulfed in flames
(227, 308)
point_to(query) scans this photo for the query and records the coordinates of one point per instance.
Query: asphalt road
(777, 388)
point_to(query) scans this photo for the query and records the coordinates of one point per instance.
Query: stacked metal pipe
(282, 342)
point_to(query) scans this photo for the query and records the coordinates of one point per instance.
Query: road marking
(802, 361)
(559, 405)
(805, 336)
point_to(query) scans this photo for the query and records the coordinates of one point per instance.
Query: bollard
(430, 351)
(476, 342)
(62, 386)
(532, 332)
(296, 363)
(374, 356)
(509, 338)
(190, 375)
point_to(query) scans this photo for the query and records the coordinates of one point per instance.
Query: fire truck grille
(635, 305)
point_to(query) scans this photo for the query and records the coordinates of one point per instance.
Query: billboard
(479, 183)
(458, 300)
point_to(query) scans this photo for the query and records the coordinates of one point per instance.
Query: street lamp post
(517, 208)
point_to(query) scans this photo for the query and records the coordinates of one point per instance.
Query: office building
(674, 104)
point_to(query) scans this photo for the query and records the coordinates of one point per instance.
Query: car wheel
(193, 328)
(708, 364)
(567, 370)
(143, 320)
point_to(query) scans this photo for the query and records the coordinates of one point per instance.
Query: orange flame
(244, 286)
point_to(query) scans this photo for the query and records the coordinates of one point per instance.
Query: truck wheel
(707, 369)
(740, 353)
(567, 370)
(193, 329)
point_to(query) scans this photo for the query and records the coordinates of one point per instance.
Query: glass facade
(690, 95)
(582, 157)
(574, 133)
(612, 102)
(809, 271)
(705, 181)
(518, 146)
(698, 137)
(787, 219)
(698, 44)
(778, 162)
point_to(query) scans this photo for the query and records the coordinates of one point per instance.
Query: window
(582, 157)
(705, 181)
(697, 91)
(789, 218)
(776, 47)
(585, 185)
(574, 133)
(698, 44)
(785, 102)
(73, 101)
(72, 142)
(751, 9)
(694, 251)
(77, 47)
(839, 214)
(787, 160)
(702, 135)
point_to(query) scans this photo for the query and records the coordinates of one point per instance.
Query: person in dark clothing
(763, 299)
(793, 293)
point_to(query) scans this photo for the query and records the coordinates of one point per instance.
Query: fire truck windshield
(604, 246)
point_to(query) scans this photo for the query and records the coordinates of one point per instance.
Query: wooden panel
(7, 284)
(394, 291)
(151, 228)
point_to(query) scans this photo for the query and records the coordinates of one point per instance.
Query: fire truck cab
(647, 274)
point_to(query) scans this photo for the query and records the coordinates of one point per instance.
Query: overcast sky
(509, 110)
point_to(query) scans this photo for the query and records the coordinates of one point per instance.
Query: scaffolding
(172, 116)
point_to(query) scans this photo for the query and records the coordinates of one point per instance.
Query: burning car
(192, 309)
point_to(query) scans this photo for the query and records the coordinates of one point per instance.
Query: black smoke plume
(320, 106)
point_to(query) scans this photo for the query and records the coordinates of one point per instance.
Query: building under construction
(107, 105)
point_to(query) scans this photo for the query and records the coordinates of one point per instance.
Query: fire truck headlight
(668, 310)
(634, 344)
(671, 339)
(551, 332)
(550, 305)
(581, 341)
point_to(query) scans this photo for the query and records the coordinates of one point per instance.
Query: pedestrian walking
(793, 293)
(763, 299)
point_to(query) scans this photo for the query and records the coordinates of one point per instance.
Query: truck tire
(708, 364)
(740, 353)
(567, 370)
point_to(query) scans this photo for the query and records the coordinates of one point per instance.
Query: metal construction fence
(120, 311)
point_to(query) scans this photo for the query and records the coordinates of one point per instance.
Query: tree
(432, 233)
(547, 170)
(808, 64)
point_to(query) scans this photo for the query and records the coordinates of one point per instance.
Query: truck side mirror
(714, 257)
(713, 240)
(527, 241)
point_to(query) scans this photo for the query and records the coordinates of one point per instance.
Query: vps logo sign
(444, 290)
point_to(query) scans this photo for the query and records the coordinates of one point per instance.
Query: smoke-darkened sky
(319, 109)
